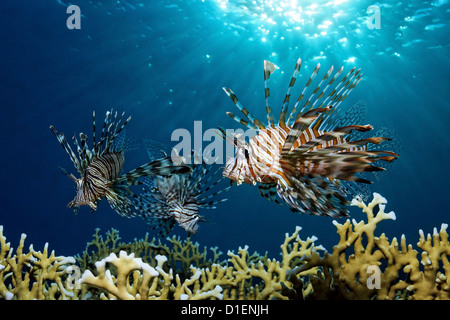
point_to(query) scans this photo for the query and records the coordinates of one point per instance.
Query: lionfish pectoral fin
(70, 176)
(316, 196)
(160, 167)
(212, 204)
(207, 221)
(117, 197)
(165, 225)
(73, 205)
(93, 206)
(269, 191)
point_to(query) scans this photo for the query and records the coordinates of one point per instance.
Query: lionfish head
(80, 198)
(237, 168)
(186, 214)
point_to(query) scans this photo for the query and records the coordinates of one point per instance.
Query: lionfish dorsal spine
(84, 154)
(103, 134)
(284, 108)
(339, 93)
(245, 123)
(77, 146)
(112, 132)
(300, 126)
(302, 95)
(94, 150)
(330, 83)
(235, 100)
(62, 140)
(320, 95)
(307, 105)
(269, 68)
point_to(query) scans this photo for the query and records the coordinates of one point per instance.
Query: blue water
(165, 62)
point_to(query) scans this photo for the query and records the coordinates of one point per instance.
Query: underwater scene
(224, 150)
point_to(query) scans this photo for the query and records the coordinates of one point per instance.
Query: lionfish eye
(246, 153)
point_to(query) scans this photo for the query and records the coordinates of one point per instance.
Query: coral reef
(32, 275)
(360, 266)
(363, 266)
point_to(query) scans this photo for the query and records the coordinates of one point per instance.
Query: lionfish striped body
(311, 157)
(177, 199)
(100, 168)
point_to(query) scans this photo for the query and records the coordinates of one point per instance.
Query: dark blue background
(165, 63)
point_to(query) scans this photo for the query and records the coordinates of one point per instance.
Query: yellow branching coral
(133, 278)
(26, 276)
(433, 282)
(363, 266)
(243, 276)
(360, 266)
(181, 254)
(274, 274)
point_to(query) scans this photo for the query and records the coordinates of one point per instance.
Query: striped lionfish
(178, 198)
(100, 167)
(311, 158)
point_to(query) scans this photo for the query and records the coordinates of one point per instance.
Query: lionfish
(177, 199)
(100, 167)
(312, 157)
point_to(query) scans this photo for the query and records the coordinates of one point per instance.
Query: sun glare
(292, 15)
